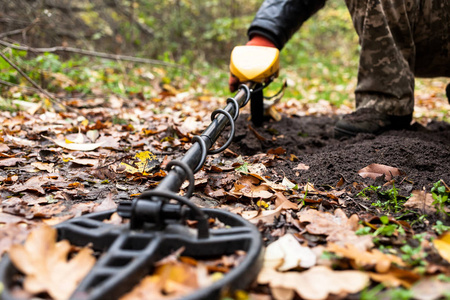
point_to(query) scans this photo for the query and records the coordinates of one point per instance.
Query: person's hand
(256, 40)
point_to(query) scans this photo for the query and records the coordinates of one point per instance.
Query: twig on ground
(21, 30)
(28, 78)
(17, 85)
(12, 32)
(50, 96)
(114, 161)
(357, 203)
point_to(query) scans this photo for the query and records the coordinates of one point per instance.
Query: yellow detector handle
(254, 63)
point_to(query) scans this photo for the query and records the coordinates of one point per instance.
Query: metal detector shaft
(149, 206)
(193, 156)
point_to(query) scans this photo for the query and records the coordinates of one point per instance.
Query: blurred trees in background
(179, 30)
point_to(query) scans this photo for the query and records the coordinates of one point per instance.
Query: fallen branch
(28, 78)
(17, 31)
(94, 53)
(40, 89)
(10, 84)
(12, 32)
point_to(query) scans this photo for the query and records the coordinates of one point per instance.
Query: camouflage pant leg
(399, 39)
(432, 39)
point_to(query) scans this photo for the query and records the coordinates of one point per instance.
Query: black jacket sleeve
(278, 20)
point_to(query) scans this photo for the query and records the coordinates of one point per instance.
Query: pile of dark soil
(422, 153)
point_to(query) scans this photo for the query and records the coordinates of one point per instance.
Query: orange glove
(257, 40)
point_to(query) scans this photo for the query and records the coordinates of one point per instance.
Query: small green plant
(440, 196)
(440, 228)
(7, 105)
(371, 293)
(243, 168)
(414, 256)
(412, 217)
(420, 219)
(392, 203)
(304, 196)
(387, 229)
(399, 294)
(443, 278)
(372, 189)
(363, 231)
(329, 255)
(119, 121)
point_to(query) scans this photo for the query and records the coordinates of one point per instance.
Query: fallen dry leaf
(374, 171)
(277, 151)
(286, 254)
(265, 216)
(11, 162)
(363, 258)
(279, 294)
(287, 183)
(85, 162)
(11, 234)
(171, 279)
(257, 170)
(107, 204)
(421, 200)
(46, 266)
(6, 218)
(4, 147)
(282, 201)
(49, 167)
(76, 146)
(396, 277)
(20, 142)
(92, 135)
(249, 186)
(189, 126)
(430, 288)
(301, 166)
(32, 184)
(316, 283)
(338, 227)
(442, 245)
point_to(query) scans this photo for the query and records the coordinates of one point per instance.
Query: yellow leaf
(262, 204)
(145, 162)
(85, 122)
(442, 244)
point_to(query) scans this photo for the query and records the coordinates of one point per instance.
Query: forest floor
(368, 215)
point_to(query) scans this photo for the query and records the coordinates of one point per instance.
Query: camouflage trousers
(400, 40)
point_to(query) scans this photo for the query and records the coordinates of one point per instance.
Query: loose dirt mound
(423, 153)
